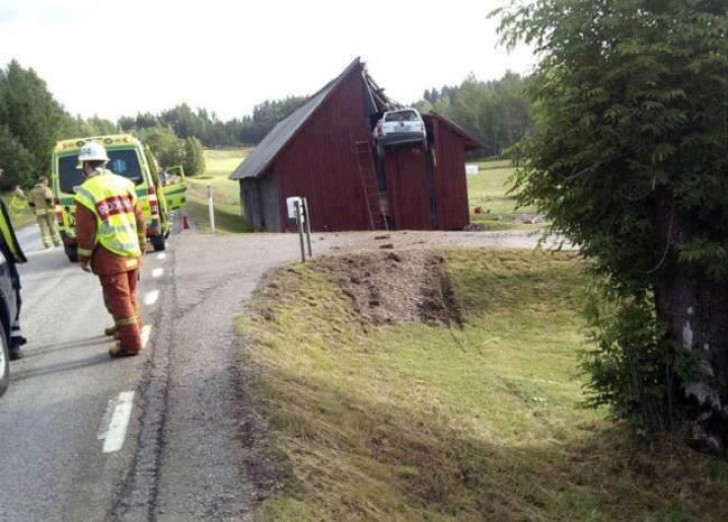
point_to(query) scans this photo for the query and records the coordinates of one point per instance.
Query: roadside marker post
(210, 207)
(307, 220)
(299, 224)
(297, 208)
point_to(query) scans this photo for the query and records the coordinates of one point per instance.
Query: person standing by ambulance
(111, 235)
(40, 198)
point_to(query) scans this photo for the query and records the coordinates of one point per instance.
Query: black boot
(16, 341)
(14, 353)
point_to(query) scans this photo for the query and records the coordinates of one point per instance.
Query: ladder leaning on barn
(368, 180)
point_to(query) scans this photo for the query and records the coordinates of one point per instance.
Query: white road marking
(115, 431)
(161, 256)
(146, 331)
(157, 272)
(151, 297)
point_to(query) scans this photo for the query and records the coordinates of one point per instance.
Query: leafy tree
(194, 162)
(629, 158)
(30, 115)
(166, 146)
(182, 120)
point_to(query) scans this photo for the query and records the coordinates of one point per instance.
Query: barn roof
(471, 142)
(264, 153)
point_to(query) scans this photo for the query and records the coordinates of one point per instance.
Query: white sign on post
(291, 207)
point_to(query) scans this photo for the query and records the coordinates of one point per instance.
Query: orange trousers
(120, 296)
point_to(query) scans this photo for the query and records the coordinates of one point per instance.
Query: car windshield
(402, 116)
(124, 162)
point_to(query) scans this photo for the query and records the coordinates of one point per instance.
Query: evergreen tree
(497, 112)
(16, 161)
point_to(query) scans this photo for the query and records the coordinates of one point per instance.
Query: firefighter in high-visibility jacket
(111, 236)
(40, 198)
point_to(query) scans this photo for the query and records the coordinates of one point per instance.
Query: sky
(120, 58)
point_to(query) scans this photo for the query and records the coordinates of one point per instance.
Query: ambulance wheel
(158, 242)
(71, 254)
(4, 364)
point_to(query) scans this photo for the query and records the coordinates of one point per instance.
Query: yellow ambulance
(128, 157)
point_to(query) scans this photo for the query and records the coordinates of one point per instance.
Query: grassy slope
(414, 422)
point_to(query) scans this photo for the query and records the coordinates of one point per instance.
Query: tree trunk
(695, 308)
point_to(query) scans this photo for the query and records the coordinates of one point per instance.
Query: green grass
(225, 193)
(419, 422)
(488, 190)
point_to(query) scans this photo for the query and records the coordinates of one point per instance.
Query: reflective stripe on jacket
(112, 199)
(8, 236)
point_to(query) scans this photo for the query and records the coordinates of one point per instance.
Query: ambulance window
(125, 163)
(69, 175)
(122, 162)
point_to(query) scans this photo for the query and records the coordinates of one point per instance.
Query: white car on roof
(400, 126)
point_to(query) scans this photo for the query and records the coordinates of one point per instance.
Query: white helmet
(92, 151)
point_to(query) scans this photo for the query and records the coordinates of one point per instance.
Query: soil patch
(396, 286)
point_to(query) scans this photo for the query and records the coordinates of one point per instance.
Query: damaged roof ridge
(283, 132)
(263, 155)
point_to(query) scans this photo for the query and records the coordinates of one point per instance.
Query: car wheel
(71, 254)
(4, 364)
(158, 242)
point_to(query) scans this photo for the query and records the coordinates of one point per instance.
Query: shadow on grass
(358, 430)
(355, 458)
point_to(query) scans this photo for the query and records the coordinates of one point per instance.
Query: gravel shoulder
(349, 242)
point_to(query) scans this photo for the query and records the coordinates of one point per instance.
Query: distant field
(226, 193)
(489, 190)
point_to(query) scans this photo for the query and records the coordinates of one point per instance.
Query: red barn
(323, 151)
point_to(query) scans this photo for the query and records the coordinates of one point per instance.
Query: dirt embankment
(390, 277)
(395, 277)
(395, 286)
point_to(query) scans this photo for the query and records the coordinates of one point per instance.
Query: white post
(308, 225)
(210, 207)
(299, 224)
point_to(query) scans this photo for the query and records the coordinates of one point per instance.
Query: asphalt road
(51, 457)
(155, 437)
